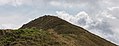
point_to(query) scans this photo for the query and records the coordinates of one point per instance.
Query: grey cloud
(94, 24)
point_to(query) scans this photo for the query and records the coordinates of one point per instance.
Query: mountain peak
(46, 22)
(83, 37)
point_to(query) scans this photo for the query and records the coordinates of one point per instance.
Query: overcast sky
(100, 17)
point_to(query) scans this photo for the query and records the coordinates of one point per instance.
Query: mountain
(50, 31)
(83, 37)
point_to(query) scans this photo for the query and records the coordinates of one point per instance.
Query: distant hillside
(50, 31)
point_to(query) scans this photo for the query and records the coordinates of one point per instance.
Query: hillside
(83, 37)
(50, 31)
(34, 37)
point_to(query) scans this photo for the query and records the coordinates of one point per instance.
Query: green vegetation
(33, 37)
(50, 31)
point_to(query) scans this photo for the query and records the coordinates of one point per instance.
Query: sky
(100, 17)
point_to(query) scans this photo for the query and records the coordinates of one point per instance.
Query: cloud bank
(98, 25)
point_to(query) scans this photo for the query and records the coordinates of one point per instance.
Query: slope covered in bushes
(50, 31)
(35, 37)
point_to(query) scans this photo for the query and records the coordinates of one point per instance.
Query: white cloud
(55, 3)
(3, 2)
(66, 4)
(13, 21)
(98, 24)
(106, 14)
(8, 26)
(15, 2)
(112, 8)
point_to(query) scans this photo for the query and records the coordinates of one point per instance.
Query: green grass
(32, 37)
(50, 31)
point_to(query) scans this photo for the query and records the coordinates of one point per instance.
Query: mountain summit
(78, 35)
(50, 31)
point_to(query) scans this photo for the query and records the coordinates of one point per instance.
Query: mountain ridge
(63, 27)
(50, 31)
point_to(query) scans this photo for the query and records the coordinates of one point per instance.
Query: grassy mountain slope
(60, 26)
(50, 31)
(34, 37)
